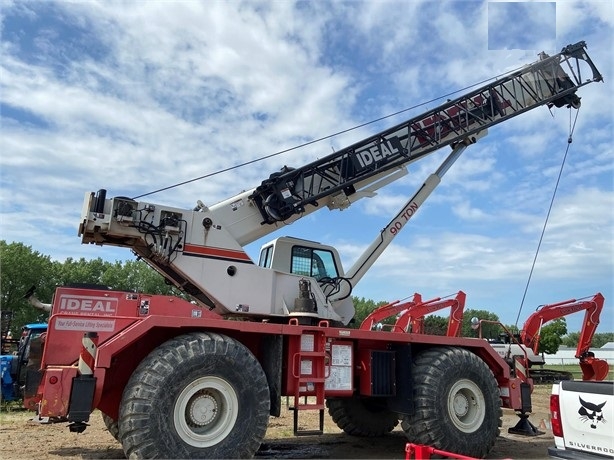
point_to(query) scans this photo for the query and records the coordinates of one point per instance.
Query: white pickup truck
(582, 418)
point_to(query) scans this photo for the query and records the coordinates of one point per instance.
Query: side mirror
(475, 323)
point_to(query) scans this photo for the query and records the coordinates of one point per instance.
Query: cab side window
(316, 263)
(266, 257)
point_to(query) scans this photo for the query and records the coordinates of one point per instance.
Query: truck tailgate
(587, 417)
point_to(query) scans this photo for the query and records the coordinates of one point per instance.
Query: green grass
(8, 406)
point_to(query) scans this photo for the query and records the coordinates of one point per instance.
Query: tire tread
(433, 366)
(152, 377)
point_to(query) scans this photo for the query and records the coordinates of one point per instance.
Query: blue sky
(135, 96)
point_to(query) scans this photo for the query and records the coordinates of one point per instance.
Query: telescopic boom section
(550, 81)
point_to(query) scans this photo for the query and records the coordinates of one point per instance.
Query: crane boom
(339, 175)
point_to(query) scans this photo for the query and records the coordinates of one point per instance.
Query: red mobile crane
(200, 379)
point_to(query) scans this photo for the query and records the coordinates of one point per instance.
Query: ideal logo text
(104, 306)
(378, 153)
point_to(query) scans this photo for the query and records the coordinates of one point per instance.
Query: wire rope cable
(320, 139)
(541, 238)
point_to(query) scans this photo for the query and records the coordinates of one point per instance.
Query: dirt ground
(21, 438)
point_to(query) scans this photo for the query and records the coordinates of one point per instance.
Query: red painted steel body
(130, 326)
(422, 452)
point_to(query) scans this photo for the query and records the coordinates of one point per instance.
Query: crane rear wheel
(457, 407)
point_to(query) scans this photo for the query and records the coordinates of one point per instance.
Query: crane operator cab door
(306, 258)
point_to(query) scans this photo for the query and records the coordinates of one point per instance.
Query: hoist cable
(314, 141)
(569, 141)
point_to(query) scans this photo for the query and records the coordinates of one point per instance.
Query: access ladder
(309, 372)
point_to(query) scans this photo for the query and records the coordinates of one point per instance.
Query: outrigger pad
(524, 427)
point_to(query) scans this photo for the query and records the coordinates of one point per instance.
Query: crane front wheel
(200, 395)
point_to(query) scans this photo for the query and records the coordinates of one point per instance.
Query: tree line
(21, 268)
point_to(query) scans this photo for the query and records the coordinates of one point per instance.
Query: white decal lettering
(375, 151)
(388, 149)
(89, 304)
(385, 150)
(85, 324)
(365, 158)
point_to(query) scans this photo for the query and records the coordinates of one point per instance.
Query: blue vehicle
(20, 370)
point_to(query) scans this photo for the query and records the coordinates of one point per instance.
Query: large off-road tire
(361, 417)
(200, 395)
(456, 401)
(112, 425)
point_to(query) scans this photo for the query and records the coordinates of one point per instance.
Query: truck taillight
(555, 416)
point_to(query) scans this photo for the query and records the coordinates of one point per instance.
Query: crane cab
(315, 261)
(301, 257)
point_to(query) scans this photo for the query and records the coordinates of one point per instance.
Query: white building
(567, 355)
